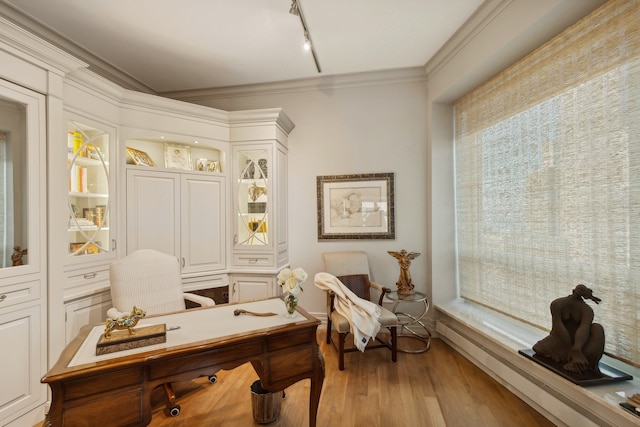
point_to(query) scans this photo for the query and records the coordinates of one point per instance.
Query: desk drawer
(202, 360)
(96, 384)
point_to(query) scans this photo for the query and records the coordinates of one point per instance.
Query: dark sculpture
(574, 341)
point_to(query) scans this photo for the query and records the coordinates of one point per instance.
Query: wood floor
(436, 388)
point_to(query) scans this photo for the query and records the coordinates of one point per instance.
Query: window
(548, 178)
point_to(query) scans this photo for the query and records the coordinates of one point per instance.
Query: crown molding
(372, 78)
(93, 62)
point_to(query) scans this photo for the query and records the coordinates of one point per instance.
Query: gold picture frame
(140, 158)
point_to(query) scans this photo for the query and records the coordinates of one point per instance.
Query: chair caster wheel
(213, 379)
(174, 411)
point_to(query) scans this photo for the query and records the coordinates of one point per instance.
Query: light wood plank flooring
(436, 388)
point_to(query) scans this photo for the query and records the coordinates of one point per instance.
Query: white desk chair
(151, 280)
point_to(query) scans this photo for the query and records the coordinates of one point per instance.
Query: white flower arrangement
(290, 280)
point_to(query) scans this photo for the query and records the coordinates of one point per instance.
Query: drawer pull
(90, 275)
(3, 297)
(253, 260)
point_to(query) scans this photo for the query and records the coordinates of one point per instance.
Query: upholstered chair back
(148, 279)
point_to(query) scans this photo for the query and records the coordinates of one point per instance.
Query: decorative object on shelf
(177, 156)
(263, 167)
(213, 166)
(356, 206)
(140, 158)
(404, 283)
(201, 165)
(575, 344)
(291, 281)
(255, 192)
(18, 253)
(257, 226)
(84, 248)
(94, 152)
(125, 322)
(249, 170)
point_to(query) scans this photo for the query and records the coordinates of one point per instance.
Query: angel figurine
(405, 286)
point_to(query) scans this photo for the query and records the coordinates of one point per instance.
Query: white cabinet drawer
(253, 260)
(19, 292)
(86, 282)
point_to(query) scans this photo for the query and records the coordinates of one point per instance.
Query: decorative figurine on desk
(18, 253)
(125, 322)
(405, 286)
(574, 341)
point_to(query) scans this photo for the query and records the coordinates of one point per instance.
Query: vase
(291, 302)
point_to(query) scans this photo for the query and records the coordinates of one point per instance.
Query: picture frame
(177, 156)
(207, 165)
(140, 158)
(356, 207)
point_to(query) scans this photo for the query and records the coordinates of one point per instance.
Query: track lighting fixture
(308, 44)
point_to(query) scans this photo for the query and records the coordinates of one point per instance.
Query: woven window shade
(548, 178)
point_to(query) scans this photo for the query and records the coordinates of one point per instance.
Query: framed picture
(352, 207)
(177, 156)
(213, 166)
(207, 165)
(140, 158)
(201, 164)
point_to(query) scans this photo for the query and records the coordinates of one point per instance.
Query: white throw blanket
(362, 315)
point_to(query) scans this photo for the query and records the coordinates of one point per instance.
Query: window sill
(491, 341)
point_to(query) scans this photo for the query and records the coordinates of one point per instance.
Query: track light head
(294, 8)
(307, 42)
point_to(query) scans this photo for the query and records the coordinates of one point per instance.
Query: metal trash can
(265, 405)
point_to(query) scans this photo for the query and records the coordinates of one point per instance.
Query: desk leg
(316, 388)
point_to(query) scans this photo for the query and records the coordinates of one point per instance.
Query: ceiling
(178, 45)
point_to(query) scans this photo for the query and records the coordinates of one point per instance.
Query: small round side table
(407, 320)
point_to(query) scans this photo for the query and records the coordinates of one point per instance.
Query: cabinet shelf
(86, 161)
(94, 228)
(88, 195)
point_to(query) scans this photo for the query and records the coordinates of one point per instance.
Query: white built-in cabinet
(23, 292)
(89, 199)
(259, 207)
(179, 213)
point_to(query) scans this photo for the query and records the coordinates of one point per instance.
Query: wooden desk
(115, 389)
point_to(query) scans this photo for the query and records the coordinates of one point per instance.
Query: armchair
(151, 280)
(352, 270)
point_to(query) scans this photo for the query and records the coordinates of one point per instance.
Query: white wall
(352, 130)
(360, 124)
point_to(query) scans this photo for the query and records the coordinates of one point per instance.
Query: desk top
(196, 325)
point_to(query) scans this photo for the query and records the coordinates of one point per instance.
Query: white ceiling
(175, 45)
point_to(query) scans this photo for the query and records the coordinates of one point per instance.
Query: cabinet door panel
(153, 216)
(203, 234)
(20, 336)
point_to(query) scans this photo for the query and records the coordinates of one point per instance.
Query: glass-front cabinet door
(252, 197)
(88, 155)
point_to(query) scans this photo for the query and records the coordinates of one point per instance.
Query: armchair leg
(394, 344)
(329, 330)
(341, 340)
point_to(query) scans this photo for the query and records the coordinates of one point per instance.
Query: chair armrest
(382, 289)
(113, 313)
(198, 299)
